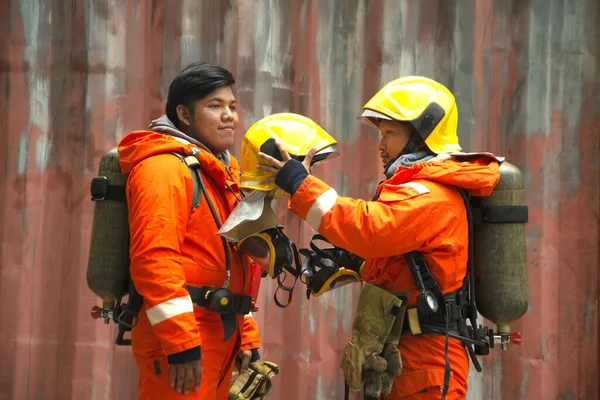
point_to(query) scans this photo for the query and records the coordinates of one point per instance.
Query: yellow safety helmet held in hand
(296, 132)
(424, 103)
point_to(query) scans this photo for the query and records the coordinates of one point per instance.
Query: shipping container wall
(77, 75)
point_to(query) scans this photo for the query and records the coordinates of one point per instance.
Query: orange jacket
(250, 335)
(173, 245)
(418, 208)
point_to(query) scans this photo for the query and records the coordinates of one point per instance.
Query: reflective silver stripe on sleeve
(169, 309)
(322, 205)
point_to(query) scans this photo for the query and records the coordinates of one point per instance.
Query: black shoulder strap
(468, 287)
(192, 163)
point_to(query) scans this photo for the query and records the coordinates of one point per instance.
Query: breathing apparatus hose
(216, 218)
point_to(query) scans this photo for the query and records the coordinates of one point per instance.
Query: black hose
(218, 223)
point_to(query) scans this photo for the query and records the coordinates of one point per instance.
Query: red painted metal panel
(76, 75)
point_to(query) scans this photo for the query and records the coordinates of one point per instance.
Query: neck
(408, 160)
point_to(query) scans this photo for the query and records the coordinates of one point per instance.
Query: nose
(382, 144)
(227, 114)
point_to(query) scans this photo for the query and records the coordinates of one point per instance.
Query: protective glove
(373, 321)
(268, 370)
(254, 382)
(373, 384)
(378, 383)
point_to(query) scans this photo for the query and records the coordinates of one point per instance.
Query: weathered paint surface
(76, 75)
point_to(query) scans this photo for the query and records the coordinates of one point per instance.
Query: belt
(212, 298)
(435, 323)
(223, 302)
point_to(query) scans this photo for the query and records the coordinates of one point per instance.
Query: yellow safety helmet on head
(297, 133)
(424, 103)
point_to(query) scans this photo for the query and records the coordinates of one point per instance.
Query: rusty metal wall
(76, 75)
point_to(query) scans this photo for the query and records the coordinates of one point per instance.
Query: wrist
(186, 356)
(291, 176)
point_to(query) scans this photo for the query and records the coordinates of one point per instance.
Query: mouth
(384, 158)
(228, 129)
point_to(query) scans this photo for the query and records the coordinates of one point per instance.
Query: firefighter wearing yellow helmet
(415, 238)
(423, 104)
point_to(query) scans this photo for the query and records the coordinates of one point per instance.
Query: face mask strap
(285, 269)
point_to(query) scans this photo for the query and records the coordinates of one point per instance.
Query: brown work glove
(372, 324)
(253, 382)
(378, 383)
(268, 370)
(245, 385)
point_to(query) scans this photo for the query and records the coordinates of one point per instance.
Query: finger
(267, 168)
(308, 159)
(173, 373)
(284, 154)
(373, 384)
(197, 377)
(180, 379)
(245, 361)
(189, 379)
(387, 381)
(271, 160)
(376, 363)
(268, 181)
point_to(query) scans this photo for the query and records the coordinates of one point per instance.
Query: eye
(232, 108)
(214, 106)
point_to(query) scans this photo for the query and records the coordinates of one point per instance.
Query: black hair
(193, 83)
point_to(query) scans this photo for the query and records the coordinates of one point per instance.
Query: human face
(213, 120)
(394, 138)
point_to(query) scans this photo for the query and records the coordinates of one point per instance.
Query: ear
(183, 114)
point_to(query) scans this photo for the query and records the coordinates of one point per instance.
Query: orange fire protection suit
(418, 208)
(174, 245)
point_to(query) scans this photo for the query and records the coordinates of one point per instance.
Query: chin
(222, 147)
(228, 145)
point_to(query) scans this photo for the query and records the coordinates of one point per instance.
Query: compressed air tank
(501, 279)
(108, 263)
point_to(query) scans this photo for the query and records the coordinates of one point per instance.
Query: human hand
(184, 375)
(245, 357)
(276, 165)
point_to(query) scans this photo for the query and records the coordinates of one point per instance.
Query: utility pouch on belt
(254, 382)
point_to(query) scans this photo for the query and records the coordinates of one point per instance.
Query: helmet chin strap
(410, 147)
